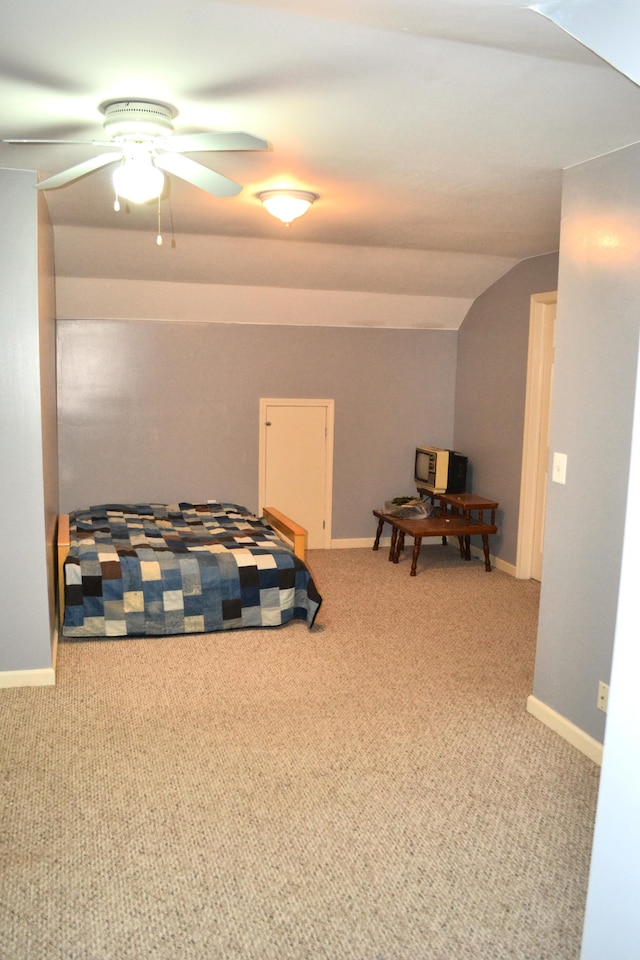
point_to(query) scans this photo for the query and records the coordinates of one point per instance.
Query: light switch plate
(559, 470)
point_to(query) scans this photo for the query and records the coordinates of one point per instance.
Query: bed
(132, 570)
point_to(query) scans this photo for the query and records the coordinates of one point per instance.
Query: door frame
(540, 304)
(329, 406)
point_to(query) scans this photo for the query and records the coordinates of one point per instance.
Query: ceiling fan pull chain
(116, 202)
(173, 231)
(159, 237)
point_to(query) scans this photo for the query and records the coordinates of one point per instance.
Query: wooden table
(469, 505)
(443, 526)
(462, 503)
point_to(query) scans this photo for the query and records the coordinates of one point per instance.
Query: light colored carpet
(370, 790)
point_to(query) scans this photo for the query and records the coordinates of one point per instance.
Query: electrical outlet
(603, 696)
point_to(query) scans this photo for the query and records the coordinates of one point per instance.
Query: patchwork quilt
(155, 569)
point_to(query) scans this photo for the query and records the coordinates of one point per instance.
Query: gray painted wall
(612, 923)
(490, 390)
(164, 411)
(27, 428)
(597, 330)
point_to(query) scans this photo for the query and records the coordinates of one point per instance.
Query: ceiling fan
(140, 138)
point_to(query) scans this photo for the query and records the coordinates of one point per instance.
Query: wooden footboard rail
(292, 531)
(63, 550)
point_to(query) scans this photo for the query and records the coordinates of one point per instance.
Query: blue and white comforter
(156, 569)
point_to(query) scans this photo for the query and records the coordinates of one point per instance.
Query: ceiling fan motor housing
(137, 120)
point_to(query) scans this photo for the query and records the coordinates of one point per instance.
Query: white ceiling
(434, 131)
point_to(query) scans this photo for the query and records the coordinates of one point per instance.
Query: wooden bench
(443, 526)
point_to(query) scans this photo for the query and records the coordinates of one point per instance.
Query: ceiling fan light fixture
(287, 205)
(138, 179)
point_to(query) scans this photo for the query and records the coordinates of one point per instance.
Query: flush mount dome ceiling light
(287, 205)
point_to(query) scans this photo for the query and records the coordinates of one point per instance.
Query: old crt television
(440, 471)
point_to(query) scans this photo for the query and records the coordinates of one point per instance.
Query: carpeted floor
(372, 789)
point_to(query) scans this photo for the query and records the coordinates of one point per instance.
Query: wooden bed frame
(289, 530)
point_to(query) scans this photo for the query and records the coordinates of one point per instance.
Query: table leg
(467, 547)
(416, 553)
(376, 542)
(399, 546)
(485, 547)
(392, 549)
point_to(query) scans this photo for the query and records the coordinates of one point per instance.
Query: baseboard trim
(566, 729)
(45, 677)
(359, 542)
(495, 561)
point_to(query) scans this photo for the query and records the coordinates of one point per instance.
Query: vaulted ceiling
(435, 133)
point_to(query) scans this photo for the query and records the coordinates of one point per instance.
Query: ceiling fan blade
(77, 142)
(80, 170)
(193, 142)
(198, 175)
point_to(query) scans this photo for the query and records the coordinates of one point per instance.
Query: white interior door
(296, 463)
